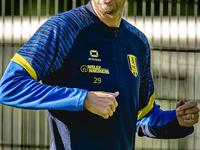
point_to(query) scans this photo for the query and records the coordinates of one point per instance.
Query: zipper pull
(116, 32)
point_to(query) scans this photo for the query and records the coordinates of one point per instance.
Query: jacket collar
(89, 7)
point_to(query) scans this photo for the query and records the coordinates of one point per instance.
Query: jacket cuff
(82, 100)
(183, 129)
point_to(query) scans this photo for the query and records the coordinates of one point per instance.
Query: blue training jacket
(73, 53)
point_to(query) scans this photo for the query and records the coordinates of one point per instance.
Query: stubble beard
(109, 9)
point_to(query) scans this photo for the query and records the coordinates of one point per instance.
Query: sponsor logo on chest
(94, 55)
(94, 69)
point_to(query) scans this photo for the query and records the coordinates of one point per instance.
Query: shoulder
(137, 33)
(76, 18)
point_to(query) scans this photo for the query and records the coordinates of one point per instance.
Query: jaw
(109, 13)
(108, 7)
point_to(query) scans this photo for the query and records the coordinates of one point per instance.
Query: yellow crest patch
(132, 64)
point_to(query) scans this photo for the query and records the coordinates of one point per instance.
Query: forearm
(19, 89)
(162, 124)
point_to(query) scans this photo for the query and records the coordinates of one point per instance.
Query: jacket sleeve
(41, 55)
(152, 121)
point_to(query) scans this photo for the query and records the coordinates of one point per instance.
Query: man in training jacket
(97, 85)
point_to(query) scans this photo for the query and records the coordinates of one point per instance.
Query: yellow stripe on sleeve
(25, 64)
(147, 109)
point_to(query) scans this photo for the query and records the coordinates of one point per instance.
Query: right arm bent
(19, 89)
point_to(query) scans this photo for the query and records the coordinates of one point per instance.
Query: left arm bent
(154, 122)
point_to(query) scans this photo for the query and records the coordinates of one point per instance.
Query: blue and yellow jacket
(73, 53)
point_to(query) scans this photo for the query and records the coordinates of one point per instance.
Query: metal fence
(173, 30)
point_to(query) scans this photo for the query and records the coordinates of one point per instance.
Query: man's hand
(187, 113)
(101, 103)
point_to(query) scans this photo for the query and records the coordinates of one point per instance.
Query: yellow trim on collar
(25, 64)
(147, 109)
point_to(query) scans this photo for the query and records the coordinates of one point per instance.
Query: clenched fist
(187, 113)
(101, 103)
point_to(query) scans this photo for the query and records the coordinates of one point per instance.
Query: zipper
(116, 33)
(116, 56)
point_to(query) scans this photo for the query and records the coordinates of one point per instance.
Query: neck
(111, 20)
